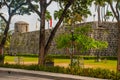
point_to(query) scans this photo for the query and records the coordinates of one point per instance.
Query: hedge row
(97, 73)
(62, 56)
(84, 57)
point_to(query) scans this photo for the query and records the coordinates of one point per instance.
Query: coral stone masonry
(23, 41)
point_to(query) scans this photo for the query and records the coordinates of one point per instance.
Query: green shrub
(63, 56)
(98, 73)
(23, 54)
(1, 59)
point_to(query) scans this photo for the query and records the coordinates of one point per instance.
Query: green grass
(108, 64)
(62, 60)
(26, 59)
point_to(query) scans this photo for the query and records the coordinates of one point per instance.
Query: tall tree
(76, 13)
(99, 4)
(115, 7)
(9, 34)
(82, 42)
(43, 48)
(65, 5)
(13, 7)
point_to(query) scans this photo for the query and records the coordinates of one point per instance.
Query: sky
(33, 22)
(32, 19)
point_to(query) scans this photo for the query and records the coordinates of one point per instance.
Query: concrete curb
(49, 75)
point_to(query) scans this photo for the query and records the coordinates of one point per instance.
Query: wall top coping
(22, 22)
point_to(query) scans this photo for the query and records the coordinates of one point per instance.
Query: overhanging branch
(11, 2)
(49, 2)
(47, 46)
(117, 12)
(114, 12)
(3, 17)
(6, 3)
(18, 7)
(31, 5)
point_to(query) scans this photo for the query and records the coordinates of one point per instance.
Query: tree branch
(49, 2)
(18, 7)
(3, 17)
(11, 2)
(47, 46)
(8, 6)
(113, 11)
(31, 5)
(117, 9)
(6, 3)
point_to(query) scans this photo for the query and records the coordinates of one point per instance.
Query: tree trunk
(118, 53)
(3, 42)
(1, 55)
(99, 19)
(57, 26)
(44, 48)
(117, 16)
(42, 33)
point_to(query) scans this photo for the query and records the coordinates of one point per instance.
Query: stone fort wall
(24, 41)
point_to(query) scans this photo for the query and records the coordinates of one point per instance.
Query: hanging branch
(18, 8)
(3, 17)
(117, 9)
(113, 11)
(47, 46)
(49, 2)
(11, 2)
(31, 5)
(6, 3)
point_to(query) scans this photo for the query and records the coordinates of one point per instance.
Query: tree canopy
(82, 41)
(78, 10)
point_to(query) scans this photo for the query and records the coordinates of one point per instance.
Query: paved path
(19, 74)
(6, 76)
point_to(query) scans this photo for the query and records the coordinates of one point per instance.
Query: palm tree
(99, 4)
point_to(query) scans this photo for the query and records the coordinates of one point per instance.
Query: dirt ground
(56, 64)
(29, 63)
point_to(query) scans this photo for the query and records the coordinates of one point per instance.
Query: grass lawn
(26, 59)
(108, 64)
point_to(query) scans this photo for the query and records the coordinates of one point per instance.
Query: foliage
(26, 55)
(13, 7)
(80, 6)
(47, 15)
(116, 11)
(76, 12)
(16, 7)
(84, 57)
(63, 41)
(1, 58)
(49, 59)
(81, 40)
(102, 7)
(108, 15)
(98, 73)
(44, 46)
(9, 34)
(115, 8)
(61, 56)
